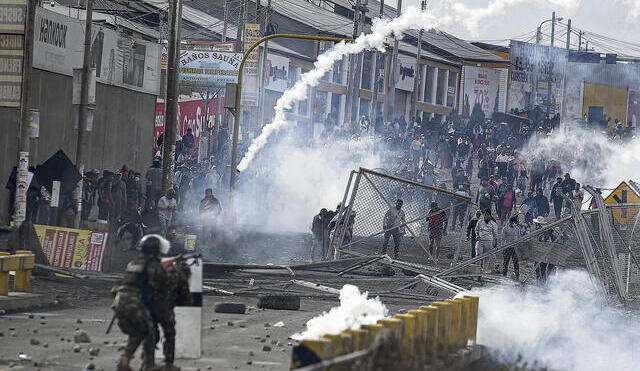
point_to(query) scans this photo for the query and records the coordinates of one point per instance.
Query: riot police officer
(176, 293)
(134, 294)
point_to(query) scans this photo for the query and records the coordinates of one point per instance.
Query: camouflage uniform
(176, 293)
(144, 278)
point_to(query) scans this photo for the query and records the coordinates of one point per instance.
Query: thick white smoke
(590, 156)
(471, 18)
(355, 309)
(291, 182)
(563, 326)
(634, 6)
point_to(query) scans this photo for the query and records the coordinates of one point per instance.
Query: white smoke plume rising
(590, 155)
(634, 6)
(471, 18)
(412, 18)
(355, 309)
(293, 182)
(563, 326)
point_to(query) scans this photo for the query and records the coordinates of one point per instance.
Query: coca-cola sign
(191, 115)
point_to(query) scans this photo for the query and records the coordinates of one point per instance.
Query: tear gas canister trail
(412, 18)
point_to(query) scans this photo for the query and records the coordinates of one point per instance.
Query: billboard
(480, 86)
(208, 68)
(11, 51)
(12, 16)
(191, 115)
(119, 59)
(72, 248)
(537, 76)
(251, 36)
(276, 73)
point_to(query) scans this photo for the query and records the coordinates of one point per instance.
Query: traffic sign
(623, 194)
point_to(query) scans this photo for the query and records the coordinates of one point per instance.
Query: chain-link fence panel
(625, 225)
(429, 222)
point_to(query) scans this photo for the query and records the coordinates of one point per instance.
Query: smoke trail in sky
(634, 8)
(412, 18)
(458, 12)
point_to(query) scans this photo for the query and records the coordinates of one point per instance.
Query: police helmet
(154, 244)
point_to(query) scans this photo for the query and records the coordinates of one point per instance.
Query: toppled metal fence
(434, 218)
(604, 240)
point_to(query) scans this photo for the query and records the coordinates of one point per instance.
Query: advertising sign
(406, 74)
(11, 50)
(12, 16)
(72, 248)
(480, 86)
(118, 58)
(537, 70)
(191, 115)
(251, 36)
(276, 73)
(208, 68)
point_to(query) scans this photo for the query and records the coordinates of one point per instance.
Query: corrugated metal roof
(448, 43)
(374, 7)
(456, 47)
(313, 16)
(425, 54)
(216, 25)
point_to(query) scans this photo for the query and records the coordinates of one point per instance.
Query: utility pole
(238, 114)
(580, 41)
(218, 121)
(392, 65)
(538, 35)
(373, 110)
(417, 76)
(171, 102)
(241, 22)
(263, 62)
(355, 63)
(22, 171)
(83, 113)
(569, 34)
(553, 28)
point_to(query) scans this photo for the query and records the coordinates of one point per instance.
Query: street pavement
(230, 341)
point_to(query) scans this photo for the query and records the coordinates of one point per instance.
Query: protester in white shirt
(393, 225)
(167, 206)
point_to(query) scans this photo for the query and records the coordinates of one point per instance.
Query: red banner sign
(191, 115)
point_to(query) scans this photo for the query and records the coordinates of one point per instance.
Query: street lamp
(539, 31)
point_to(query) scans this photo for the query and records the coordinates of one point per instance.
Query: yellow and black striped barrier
(21, 263)
(431, 331)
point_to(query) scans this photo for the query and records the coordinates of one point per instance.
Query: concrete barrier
(21, 264)
(425, 334)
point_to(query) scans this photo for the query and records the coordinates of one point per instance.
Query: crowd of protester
(514, 190)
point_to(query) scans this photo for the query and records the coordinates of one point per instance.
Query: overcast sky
(619, 19)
